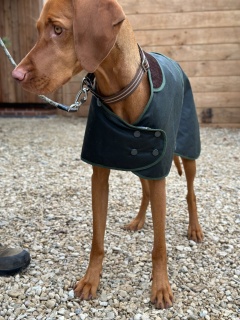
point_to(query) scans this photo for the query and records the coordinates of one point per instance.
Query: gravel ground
(46, 208)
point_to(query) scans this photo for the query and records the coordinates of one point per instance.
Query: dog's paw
(86, 288)
(162, 296)
(195, 233)
(135, 225)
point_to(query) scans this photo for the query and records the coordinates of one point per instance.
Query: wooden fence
(17, 24)
(203, 36)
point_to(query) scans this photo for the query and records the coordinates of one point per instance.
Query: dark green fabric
(168, 125)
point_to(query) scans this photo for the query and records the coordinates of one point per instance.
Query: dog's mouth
(30, 82)
(37, 85)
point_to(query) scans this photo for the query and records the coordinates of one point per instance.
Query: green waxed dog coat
(167, 126)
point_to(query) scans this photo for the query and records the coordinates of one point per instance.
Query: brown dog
(95, 36)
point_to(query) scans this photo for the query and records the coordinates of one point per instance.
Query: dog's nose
(18, 74)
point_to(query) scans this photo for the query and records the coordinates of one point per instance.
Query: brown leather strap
(156, 71)
(128, 90)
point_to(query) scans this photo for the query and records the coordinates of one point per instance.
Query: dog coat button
(155, 152)
(134, 152)
(157, 134)
(137, 134)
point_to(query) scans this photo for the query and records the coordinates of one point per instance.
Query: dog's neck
(118, 70)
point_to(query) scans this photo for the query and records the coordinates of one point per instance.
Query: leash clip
(78, 100)
(145, 64)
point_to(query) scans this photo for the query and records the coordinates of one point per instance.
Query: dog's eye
(58, 30)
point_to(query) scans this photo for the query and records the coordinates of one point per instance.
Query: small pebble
(110, 315)
(51, 304)
(203, 313)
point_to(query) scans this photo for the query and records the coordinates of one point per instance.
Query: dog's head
(73, 35)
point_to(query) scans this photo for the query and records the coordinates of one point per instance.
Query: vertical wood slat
(17, 35)
(8, 87)
(2, 86)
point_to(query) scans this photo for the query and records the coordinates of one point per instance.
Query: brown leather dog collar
(127, 91)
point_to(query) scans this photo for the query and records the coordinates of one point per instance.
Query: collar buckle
(145, 64)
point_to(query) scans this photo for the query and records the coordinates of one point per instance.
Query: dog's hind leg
(138, 222)
(194, 229)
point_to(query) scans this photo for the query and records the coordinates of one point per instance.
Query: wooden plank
(218, 115)
(215, 84)
(199, 52)
(20, 29)
(211, 68)
(13, 90)
(188, 36)
(8, 86)
(5, 32)
(3, 61)
(219, 100)
(27, 21)
(143, 6)
(211, 19)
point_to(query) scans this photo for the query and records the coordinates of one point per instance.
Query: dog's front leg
(86, 288)
(161, 294)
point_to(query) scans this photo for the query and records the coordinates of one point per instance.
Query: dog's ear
(96, 25)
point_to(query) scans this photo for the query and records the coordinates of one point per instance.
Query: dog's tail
(177, 164)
